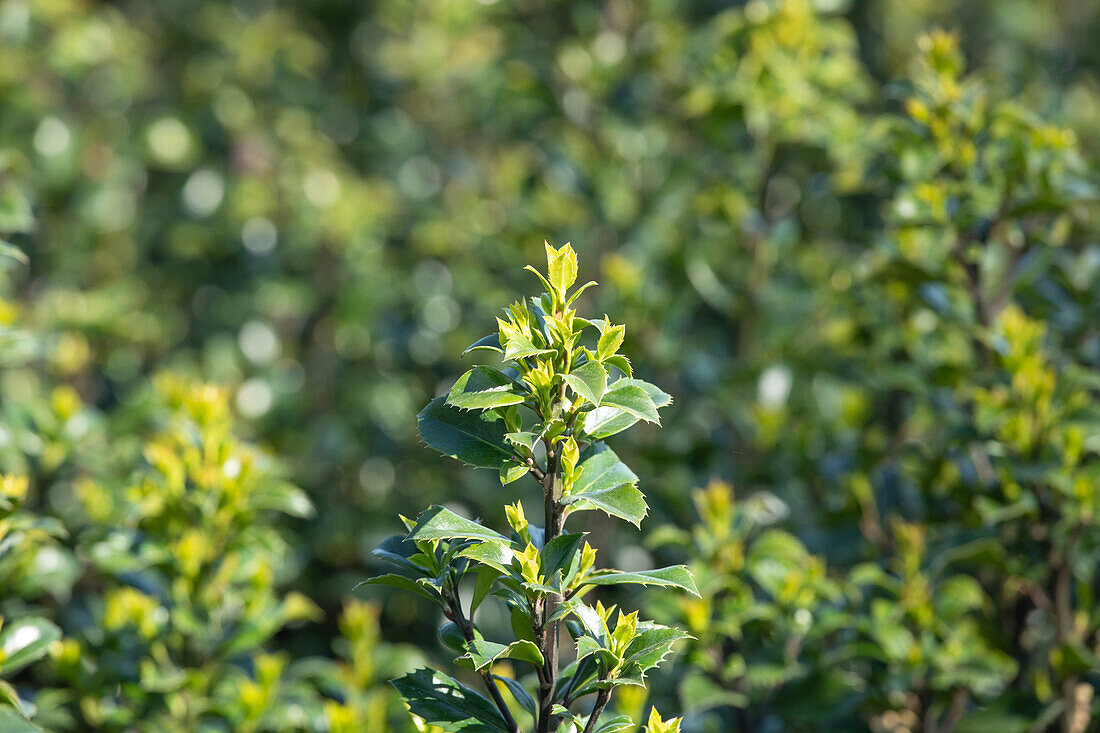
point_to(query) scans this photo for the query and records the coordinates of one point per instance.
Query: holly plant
(563, 387)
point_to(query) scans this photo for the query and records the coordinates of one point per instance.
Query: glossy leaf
(631, 399)
(488, 343)
(608, 420)
(483, 388)
(403, 583)
(589, 380)
(607, 484)
(440, 523)
(467, 436)
(676, 576)
(444, 701)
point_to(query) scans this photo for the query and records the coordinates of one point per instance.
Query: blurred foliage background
(861, 253)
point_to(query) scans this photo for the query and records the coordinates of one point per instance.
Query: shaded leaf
(466, 436)
(442, 700)
(400, 581)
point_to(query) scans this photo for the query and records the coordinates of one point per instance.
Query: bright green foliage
(189, 560)
(766, 602)
(360, 675)
(824, 227)
(560, 373)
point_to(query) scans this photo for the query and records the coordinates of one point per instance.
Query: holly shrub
(242, 244)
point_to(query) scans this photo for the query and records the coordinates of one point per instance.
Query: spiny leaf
(440, 523)
(466, 436)
(489, 343)
(520, 347)
(650, 645)
(632, 399)
(561, 267)
(482, 654)
(493, 554)
(400, 581)
(624, 501)
(611, 338)
(608, 420)
(676, 576)
(444, 701)
(589, 380)
(483, 388)
(606, 483)
(512, 471)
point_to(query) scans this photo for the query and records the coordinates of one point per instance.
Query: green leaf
(12, 722)
(486, 579)
(563, 712)
(521, 623)
(561, 267)
(492, 554)
(607, 420)
(559, 552)
(12, 252)
(452, 637)
(624, 501)
(577, 293)
(676, 576)
(397, 550)
(444, 701)
(10, 696)
(607, 484)
(466, 436)
(512, 471)
(282, 496)
(589, 380)
(25, 640)
(440, 523)
(631, 399)
(481, 654)
(483, 388)
(489, 343)
(650, 646)
(400, 581)
(611, 338)
(616, 724)
(520, 693)
(621, 363)
(520, 347)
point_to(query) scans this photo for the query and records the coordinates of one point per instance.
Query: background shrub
(860, 252)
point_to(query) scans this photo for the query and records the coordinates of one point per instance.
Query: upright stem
(548, 637)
